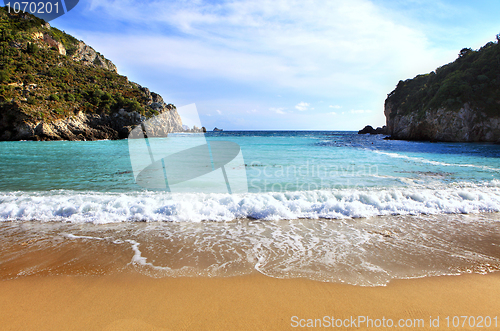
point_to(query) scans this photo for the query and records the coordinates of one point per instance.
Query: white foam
(72, 236)
(438, 163)
(94, 207)
(364, 252)
(138, 258)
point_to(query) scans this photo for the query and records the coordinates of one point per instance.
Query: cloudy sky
(281, 65)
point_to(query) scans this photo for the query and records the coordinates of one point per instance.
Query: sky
(280, 65)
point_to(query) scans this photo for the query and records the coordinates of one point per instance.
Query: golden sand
(129, 301)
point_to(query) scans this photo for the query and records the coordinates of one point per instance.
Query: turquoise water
(329, 206)
(315, 159)
(289, 175)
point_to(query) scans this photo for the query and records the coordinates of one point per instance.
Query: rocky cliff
(458, 102)
(55, 87)
(465, 125)
(15, 125)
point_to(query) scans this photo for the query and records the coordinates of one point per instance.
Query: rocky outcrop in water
(369, 129)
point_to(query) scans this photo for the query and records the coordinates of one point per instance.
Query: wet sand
(130, 301)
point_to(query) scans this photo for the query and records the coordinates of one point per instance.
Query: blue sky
(280, 65)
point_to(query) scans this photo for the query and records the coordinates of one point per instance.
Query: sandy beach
(129, 301)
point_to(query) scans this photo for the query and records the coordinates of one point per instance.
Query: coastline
(361, 251)
(129, 301)
(99, 284)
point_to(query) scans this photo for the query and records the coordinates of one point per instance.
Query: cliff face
(15, 125)
(55, 87)
(465, 125)
(88, 56)
(458, 102)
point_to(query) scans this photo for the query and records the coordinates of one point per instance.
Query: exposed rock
(38, 35)
(369, 129)
(14, 125)
(45, 132)
(47, 38)
(217, 130)
(53, 43)
(465, 125)
(88, 56)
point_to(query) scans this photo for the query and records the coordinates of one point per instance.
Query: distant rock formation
(369, 129)
(217, 130)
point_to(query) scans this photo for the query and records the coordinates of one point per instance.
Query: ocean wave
(437, 163)
(95, 207)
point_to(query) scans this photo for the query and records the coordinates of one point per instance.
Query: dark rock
(217, 130)
(381, 130)
(366, 129)
(369, 129)
(124, 132)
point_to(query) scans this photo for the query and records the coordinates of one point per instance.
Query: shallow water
(290, 175)
(367, 252)
(329, 206)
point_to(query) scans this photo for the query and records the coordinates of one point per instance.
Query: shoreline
(369, 252)
(130, 301)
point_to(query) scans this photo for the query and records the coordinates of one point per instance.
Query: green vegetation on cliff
(473, 78)
(43, 77)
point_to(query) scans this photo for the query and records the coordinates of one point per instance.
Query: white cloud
(277, 110)
(320, 47)
(333, 113)
(359, 111)
(218, 111)
(250, 51)
(302, 106)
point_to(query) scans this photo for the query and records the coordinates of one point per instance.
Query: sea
(331, 206)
